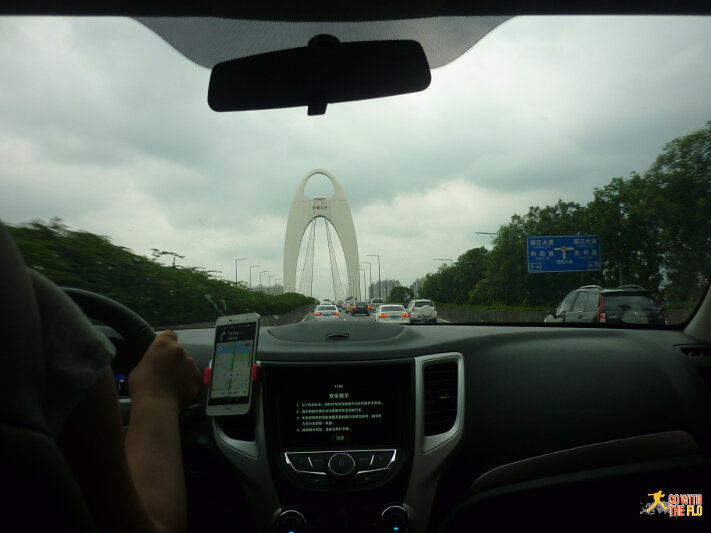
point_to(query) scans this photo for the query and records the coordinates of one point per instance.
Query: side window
(581, 302)
(567, 303)
(591, 304)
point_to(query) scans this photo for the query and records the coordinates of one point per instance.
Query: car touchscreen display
(342, 405)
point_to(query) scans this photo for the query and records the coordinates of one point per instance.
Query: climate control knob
(291, 521)
(395, 519)
(341, 464)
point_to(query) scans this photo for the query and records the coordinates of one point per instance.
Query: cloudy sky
(107, 127)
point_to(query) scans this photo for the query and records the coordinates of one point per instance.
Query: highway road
(349, 317)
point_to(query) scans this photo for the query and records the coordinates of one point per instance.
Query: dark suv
(627, 304)
(360, 308)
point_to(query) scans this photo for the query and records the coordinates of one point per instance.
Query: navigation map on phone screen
(232, 364)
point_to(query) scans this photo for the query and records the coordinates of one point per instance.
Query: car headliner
(363, 10)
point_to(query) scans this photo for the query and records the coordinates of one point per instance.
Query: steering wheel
(137, 333)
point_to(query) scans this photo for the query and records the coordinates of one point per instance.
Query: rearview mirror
(326, 71)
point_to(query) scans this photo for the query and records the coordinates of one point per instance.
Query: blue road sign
(563, 253)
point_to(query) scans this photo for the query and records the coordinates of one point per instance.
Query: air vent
(696, 351)
(440, 385)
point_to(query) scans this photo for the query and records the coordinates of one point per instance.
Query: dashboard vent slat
(440, 386)
(696, 351)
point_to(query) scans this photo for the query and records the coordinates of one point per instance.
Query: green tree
(680, 173)
(163, 295)
(623, 215)
(400, 294)
(507, 281)
(454, 283)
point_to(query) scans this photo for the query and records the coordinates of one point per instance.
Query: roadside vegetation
(650, 235)
(163, 295)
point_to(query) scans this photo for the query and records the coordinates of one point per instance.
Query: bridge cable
(307, 275)
(335, 275)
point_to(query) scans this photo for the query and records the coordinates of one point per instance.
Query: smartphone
(230, 388)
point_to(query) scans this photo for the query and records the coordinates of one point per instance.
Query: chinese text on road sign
(563, 253)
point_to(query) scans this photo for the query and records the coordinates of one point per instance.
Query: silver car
(392, 313)
(422, 311)
(326, 312)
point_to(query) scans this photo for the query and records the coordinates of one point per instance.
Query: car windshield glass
(386, 308)
(555, 153)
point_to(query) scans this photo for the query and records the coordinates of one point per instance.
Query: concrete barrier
(295, 315)
(462, 314)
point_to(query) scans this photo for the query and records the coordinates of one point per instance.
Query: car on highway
(360, 308)
(113, 162)
(422, 311)
(393, 313)
(326, 312)
(626, 304)
(374, 303)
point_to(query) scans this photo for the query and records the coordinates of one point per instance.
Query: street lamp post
(261, 287)
(379, 282)
(370, 277)
(443, 259)
(363, 294)
(250, 274)
(352, 285)
(236, 264)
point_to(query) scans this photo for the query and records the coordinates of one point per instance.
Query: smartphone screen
(232, 363)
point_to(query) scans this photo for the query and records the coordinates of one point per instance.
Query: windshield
(556, 153)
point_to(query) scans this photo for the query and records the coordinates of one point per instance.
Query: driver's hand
(166, 371)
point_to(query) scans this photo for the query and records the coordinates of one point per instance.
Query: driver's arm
(137, 485)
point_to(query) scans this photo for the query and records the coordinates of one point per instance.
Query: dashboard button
(318, 462)
(367, 478)
(341, 464)
(382, 459)
(300, 461)
(315, 480)
(364, 460)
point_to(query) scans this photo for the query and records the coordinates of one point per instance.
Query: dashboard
(365, 426)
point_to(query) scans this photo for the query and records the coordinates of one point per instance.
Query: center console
(339, 442)
(345, 445)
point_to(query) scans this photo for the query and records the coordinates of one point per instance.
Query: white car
(422, 311)
(326, 312)
(374, 303)
(392, 313)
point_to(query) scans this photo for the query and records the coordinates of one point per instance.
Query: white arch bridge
(304, 214)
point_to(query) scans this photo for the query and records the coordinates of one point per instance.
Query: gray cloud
(106, 126)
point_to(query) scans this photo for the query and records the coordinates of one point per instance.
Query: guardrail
(463, 314)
